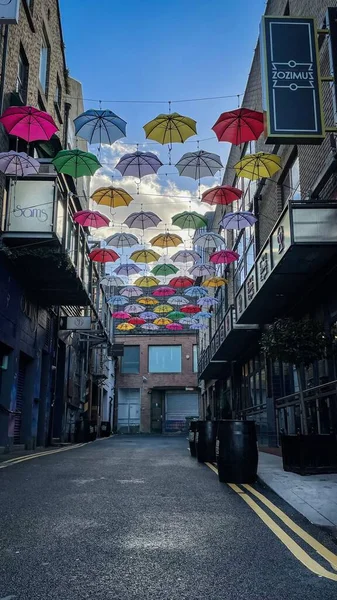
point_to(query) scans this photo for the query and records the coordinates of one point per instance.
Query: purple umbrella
(207, 301)
(134, 309)
(238, 220)
(131, 291)
(149, 316)
(142, 220)
(18, 164)
(185, 256)
(201, 270)
(199, 326)
(150, 326)
(138, 164)
(127, 269)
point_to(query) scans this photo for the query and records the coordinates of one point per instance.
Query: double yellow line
(20, 459)
(284, 537)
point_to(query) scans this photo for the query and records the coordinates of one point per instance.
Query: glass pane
(44, 56)
(164, 359)
(195, 359)
(60, 219)
(130, 360)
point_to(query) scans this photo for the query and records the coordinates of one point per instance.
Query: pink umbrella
(91, 218)
(164, 290)
(28, 123)
(225, 257)
(174, 327)
(121, 314)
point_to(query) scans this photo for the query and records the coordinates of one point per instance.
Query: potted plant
(301, 343)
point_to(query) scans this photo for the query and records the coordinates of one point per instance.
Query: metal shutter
(180, 405)
(19, 401)
(128, 410)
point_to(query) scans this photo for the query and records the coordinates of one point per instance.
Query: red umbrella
(224, 257)
(239, 126)
(181, 282)
(103, 255)
(190, 309)
(136, 321)
(174, 327)
(91, 218)
(28, 123)
(222, 194)
(121, 314)
(164, 290)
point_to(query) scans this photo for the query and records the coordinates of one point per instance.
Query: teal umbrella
(76, 163)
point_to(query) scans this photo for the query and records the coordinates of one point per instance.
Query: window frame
(21, 86)
(156, 346)
(45, 40)
(136, 372)
(195, 357)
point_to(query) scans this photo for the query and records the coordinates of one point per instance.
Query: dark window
(22, 76)
(30, 4)
(58, 93)
(287, 9)
(130, 360)
(291, 187)
(44, 62)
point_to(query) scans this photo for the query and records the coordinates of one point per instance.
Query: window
(22, 76)
(130, 360)
(195, 358)
(44, 63)
(30, 4)
(291, 188)
(164, 359)
(58, 93)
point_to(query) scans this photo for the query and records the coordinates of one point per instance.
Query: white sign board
(31, 206)
(78, 323)
(9, 11)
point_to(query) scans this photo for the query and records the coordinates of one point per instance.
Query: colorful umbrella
(199, 164)
(148, 301)
(144, 256)
(136, 321)
(19, 164)
(199, 326)
(147, 281)
(225, 257)
(177, 301)
(150, 326)
(76, 163)
(239, 126)
(131, 291)
(91, 218)
(174, 327)
(103, 255)
(238, 220)
(99, 126)
(118, 300)
(112, 281)
(189, 220)
(188, 321)
(185, 256)
(111, 196)
(134, 309)
(201, 270)
(164, 269)
(209, 240)
(190, 309)
(208, 301)
(166, 240)
(162, 321)
(204, 314)
(121, 314)
(164, 291)
(214, 282)
(171, 128)
(122, 240)
(195, 292)
(149, 315)
(175, 315)
(163, 308)
(125, 327)
(142, 220)
(256, 166)
(139, 164)
(221, 194)
(181, 282)
(127, 269)
(28, 123)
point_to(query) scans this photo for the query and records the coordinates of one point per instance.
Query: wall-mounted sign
(9, 11)
(75, 323)
(291, 81)
(32, 206)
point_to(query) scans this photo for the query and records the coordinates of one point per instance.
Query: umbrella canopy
(147, 281)
(175, 315)
(164, 269)
(121, 314)
(177, 301)
(174, 327)
(188, 321)
(28, 123)
(142, 220)
(225, 257)
(201, 270)
(189, 220)
(134, 309)
(239, 126)
(127, 269)
(148, 315)
(163, 308)
(185, 256)
(138, 164)
(164, 291)
(148, 301)
(181, 282)
(91, 218)
(76, 163)
(103, 255)
(112, 197)
(99, 127)
(145, 256)
(208, 301)
(214, 282)
(122, 240)
(118, 300)
(170, 129)
(204, 314)
(198, 326)
(19, 164)
(199, 164)
(166, 240)
(112, 281)
(221, 194)
(256, 166)
(125, 327)
(150, 327)
(136, 321)
(131, 291)
(238, 220)
(209, 240)
(195, 292)
(190, 309)
(162, 321)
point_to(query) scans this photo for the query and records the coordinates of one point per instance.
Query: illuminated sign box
(291, 81)
(9, 11)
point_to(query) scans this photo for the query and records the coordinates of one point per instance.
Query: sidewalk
(314, 496)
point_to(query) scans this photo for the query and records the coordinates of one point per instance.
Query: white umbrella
(199, 164)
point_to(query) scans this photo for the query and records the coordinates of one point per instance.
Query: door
(19, 400)
(180, 405)
(128, 410)
(157, 411)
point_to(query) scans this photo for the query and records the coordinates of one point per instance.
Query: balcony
(47, 249)
(303, 240)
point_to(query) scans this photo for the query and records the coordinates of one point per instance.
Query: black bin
(205, 439)
(92, 430)
(236, 451)
(105, 429)
(191, 437)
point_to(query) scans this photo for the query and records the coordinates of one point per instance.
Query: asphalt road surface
(138, 518)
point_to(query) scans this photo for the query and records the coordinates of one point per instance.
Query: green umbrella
(165, 269)
(76, 163)
(176, 315)
(189, 220)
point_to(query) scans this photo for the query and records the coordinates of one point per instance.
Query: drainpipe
(3, 68)
(67, 107)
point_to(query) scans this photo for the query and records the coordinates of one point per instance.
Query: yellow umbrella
(125, 326)
(145, 256)
(162, 321)
(171, 128)
(147, 281)
(166, 240)
(111, 196)
(214, 282)
(163, 308)
(148, 301)
(256, 166)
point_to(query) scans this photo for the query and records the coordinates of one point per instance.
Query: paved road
(137, 519)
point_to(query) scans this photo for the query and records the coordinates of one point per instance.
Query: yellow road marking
(212, 467)
(292, 546)
(15, 461)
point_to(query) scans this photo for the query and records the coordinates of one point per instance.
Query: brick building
(287, 267)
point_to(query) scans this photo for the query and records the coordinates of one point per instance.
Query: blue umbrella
(100, 126)
(196, 291)
(118, 300)
(199, 326)
(127, 269)
(203, 315)
(207, 301)
(148, 315)
(188, 321)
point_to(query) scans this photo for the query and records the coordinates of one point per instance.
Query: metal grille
(19, 401)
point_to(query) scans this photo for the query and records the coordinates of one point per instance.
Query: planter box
(309, 454)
